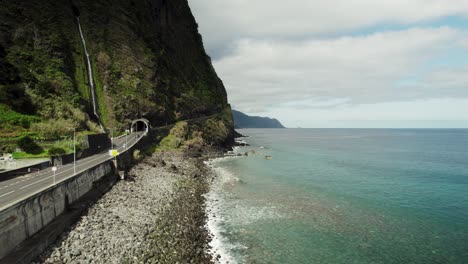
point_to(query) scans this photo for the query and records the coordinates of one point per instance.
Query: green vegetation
(140, 69)
(12, 118)
(218, 129)
(100, 97)
(28, 145)
(54, 129)
(215, 130)
(32, 149)
(80, 71)
(137, 155)
(24, 155)
(176, 137)
(56, 151)
(170, 142)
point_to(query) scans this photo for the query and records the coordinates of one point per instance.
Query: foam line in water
(219, 243)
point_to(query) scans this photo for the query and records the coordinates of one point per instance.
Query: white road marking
(26, 186)
(7, 194)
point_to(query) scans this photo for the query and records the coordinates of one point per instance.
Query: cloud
(340, 60)
(224, 21)
(417, 113)
(361, 69)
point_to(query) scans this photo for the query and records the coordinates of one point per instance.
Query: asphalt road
(17, 189)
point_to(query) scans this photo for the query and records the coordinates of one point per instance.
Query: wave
(221, 247)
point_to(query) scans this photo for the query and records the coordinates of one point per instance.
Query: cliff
(242, 120)
(146, 56)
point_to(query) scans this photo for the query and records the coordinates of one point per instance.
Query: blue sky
(339, 63)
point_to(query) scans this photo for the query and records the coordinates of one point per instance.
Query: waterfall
(90, 76)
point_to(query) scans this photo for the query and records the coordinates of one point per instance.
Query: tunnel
(140, 125)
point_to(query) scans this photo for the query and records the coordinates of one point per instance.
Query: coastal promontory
(242, 120)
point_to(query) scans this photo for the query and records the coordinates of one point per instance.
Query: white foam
(241, 141)
(219, 244)
(218, 202)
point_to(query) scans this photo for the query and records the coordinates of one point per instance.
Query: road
(17, 189)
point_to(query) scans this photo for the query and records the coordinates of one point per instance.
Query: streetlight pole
(126, 139)
(74, 151)
(112, 138)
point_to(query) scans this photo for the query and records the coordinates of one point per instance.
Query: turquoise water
(344, 196)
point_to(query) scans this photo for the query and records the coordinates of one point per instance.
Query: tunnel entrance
(140, 125)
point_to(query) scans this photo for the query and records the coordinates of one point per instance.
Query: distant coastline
(242, 120)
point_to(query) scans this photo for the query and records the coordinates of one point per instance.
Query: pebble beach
(157, 215)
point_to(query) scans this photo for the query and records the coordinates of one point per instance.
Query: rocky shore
(157, 216)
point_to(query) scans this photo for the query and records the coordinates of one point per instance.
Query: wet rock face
(157, 218)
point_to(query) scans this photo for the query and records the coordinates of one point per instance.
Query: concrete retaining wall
(95, 143)
(62, 159)
(26, 218)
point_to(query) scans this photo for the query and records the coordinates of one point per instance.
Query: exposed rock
(158, 218)
(173, 167)
(75, 252)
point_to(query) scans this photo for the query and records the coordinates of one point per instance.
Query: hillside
(242, 120)
(147, 60)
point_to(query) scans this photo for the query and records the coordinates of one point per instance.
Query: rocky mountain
(147, 60)
(242, 120)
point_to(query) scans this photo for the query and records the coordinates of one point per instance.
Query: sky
(341, 63)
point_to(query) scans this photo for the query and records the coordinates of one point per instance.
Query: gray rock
(75, 252)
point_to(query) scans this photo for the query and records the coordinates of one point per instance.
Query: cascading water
(90, 75)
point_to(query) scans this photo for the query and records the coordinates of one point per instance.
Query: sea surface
(343, 196)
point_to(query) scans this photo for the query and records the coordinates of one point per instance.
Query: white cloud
(326, 59)
(223, 21)
(365, 69)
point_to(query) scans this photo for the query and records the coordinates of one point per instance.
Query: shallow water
(344, 196)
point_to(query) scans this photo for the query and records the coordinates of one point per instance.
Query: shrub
(180, 130)
(54, 129)
(10, 117)
(28, 145)
(176, 137)
(170, 142)
(56, 151)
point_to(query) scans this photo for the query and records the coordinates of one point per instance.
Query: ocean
(343, 196)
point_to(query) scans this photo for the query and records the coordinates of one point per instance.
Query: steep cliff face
(147, 60)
